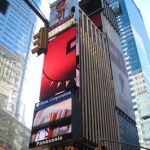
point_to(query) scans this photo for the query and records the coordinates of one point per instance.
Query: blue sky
(144, 6)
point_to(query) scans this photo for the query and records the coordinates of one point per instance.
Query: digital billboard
(53, 113)
(52, 120)
(59, 67)
(62, 11)
(48, 133)
(120, 77)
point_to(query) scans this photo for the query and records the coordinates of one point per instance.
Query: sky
(32, 86)
(144, 6)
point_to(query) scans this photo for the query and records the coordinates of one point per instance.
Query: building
(16, 27)
(123, 105)
(135, 46)
(9, 79)
(13, 134)
(92, 67)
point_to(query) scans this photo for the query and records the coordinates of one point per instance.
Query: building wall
(13, 135)
(96, 85)
(9, 79)
(135, 45)
(120, 77)
(124, 106)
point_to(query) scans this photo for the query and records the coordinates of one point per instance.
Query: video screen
(59, 67)
(53, 112)
(48, 133)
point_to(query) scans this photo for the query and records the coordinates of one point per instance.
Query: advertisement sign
(120, 77)
(52, 120)
(48, 133)
(62, 11)
(53, 113)
(59, 68)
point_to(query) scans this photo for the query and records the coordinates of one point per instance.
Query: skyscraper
(17, 23)
(135, 46)
(16, 27)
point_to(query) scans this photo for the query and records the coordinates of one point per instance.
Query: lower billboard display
(52, 120)
(53, 113)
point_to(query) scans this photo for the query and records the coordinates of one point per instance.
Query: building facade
(16, 27)
(123, 105)
(92, 67)
(135, 46)
(13, 134)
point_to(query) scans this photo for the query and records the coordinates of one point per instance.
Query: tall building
(17, 23)
(135, 46)
(86, 67)
(124, 108)
(13, 134)
(16, 27)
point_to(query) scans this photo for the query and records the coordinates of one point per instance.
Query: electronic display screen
(53, 113)
(52, 120)
(47, 133)
(59, 68)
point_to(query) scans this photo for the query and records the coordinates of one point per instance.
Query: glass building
(16, 28)
(135, 46)
(13, 134)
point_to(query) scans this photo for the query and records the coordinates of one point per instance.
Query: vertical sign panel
(59, 68)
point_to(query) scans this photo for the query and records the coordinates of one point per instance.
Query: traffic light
(40, 41)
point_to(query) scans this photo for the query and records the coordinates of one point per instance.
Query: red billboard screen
(59, 68)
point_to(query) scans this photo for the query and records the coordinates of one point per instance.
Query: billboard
(52, 120)
(48, 133)
(62, 11)
(120, 77)
(59, 68)
(53, 113)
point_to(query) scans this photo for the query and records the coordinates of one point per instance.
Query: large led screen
(59, 68)
(53, 113)
(52, 120)
(48, 133)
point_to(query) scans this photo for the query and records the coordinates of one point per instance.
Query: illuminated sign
(53, 113)
(62, 11)
(52, 120)
(59, 138)
(59, 68)
(49, 134)
(53, 100)
(59, 27)
(61, 5)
